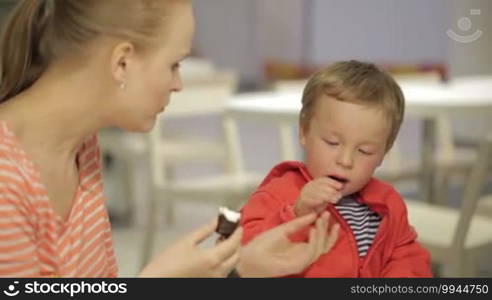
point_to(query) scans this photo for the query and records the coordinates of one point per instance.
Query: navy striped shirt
(363, 221)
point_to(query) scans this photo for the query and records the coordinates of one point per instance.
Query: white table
(463, 99)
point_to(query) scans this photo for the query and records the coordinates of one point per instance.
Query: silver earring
(122, 85)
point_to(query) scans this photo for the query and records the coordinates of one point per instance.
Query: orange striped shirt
(34, 240)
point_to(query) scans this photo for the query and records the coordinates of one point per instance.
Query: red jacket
(394, 252)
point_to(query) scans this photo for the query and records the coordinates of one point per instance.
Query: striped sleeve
(18, 257)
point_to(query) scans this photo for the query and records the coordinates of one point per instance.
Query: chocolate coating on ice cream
(228, 222)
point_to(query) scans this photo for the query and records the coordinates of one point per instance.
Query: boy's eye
(364, 152)
(331, 143)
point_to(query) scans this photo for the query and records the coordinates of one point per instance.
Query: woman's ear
(121, 59)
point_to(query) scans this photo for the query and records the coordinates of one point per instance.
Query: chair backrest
(196, 68)
(200, 98)
(444, 143)
(472, 189)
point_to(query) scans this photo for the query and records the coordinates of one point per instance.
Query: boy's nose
(345, 159)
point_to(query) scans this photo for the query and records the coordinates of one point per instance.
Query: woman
(68, 69)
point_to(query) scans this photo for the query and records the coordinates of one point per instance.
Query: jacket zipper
(361, 262)
(377, 240)
(346, 226)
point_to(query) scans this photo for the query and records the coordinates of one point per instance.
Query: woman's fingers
(332, 237)
(295, 225)
(320, 236)
(321, 240)
(230, 246)
(229, 264)
(312, 246)
(203, 232)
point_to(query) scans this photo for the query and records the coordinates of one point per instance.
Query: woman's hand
(185, 259)
(272, 254)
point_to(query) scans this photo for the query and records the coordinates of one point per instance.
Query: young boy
(351, 114)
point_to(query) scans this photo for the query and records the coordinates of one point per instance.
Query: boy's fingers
(333, 196)
(333, 183)
(321, 208)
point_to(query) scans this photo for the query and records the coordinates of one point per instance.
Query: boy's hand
(316, 195)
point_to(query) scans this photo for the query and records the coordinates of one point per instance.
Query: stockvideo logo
(465, 24)
(12, 290)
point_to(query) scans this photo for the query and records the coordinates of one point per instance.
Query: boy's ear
(383, 157)
(381, 161)
(302, 135)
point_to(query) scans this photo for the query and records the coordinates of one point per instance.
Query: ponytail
(22, 60)
(38, 32)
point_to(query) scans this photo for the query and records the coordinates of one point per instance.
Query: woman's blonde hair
(40, 31)
(357, 82)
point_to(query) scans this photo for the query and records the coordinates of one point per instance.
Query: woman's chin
(148, 126)
(144, 126)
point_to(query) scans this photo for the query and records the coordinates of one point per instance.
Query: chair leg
(169, 207)
(442, 188)
(469, 268)
(464, 267)
(149, 233)
(436, 270)
(169, 204)
(129, 186)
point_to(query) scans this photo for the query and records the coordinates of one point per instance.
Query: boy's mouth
(338, 178)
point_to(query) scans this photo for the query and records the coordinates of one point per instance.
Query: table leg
(427, 178)
(286, 141)
(235, 162)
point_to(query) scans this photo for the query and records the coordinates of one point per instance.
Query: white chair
(485, 206)
(230, 187)
(395, 168)
(457, 237)
(460, 155)
(449, 161)
(460, 146)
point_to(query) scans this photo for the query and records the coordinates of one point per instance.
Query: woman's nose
(177, 83)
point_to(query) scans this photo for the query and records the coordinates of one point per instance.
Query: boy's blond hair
(356, 82)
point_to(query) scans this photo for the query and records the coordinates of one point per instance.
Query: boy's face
(344, 140)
